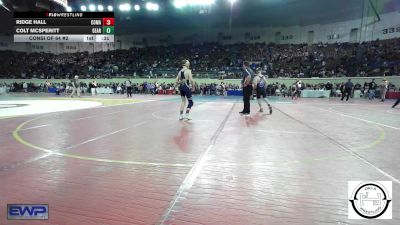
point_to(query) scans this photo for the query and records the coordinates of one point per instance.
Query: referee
(348, 89)
(247, 87)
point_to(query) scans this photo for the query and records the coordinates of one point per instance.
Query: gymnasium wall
(393, 79)
(364, 29)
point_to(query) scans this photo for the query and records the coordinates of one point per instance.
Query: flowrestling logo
(27, 211)
(370, 200)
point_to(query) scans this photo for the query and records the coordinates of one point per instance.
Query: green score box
(108, 30)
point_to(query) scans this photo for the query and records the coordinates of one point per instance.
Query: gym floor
(134, 162)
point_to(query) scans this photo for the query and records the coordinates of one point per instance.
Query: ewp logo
(28, 212)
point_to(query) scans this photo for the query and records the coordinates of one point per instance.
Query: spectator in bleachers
(383, 89)
(371, 89)
(76, 87)
(286, 60)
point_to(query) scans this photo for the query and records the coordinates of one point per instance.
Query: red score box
(108, 21)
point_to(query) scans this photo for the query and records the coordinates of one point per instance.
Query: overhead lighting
(1, 3)
(69, 9)
(183, 3)
(100, 8)
(149, 6)
(92, 7)
(232, 1)
(180, 3)
(83, 8)
(137, 7)
(125, 7)
(110, 8)
(152, 6)
(201, 2)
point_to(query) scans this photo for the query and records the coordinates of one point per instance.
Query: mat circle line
(19, 139)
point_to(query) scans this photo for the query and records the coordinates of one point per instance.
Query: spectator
(383, 89)
(285, 60)
(348, 89)
(371, 89)
(76, 88)
(128, 85)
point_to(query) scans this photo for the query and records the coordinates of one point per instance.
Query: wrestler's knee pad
(190, 103)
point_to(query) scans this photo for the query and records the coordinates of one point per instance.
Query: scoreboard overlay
(63, 26)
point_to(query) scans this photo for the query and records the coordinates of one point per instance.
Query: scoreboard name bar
(64, 38)
(64, 22)
(63, 14)
(65, 30)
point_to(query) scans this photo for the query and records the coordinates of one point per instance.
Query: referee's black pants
(247, 93)
(129, 91)
(396, 103)
(346, 93)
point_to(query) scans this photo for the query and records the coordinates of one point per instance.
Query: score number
(108, 25)
(108, 30)
(108, 21)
